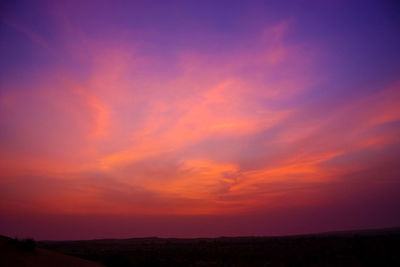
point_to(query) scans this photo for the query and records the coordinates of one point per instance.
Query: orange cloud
(142, 134)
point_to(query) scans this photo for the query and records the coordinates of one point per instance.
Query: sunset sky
(198, 118)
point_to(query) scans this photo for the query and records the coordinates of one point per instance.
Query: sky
(124, 119)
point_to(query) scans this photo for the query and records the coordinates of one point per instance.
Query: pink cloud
(143, 133)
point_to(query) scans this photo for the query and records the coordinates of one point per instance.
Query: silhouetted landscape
(19, 253)
(348, 248)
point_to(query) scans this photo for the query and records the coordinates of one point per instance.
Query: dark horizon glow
(198, 118)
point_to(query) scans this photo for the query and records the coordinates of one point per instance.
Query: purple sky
(198, 118)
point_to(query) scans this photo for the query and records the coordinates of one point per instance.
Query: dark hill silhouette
(15, 253)
(376, 247)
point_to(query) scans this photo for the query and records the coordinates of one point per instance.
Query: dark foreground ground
(351, 248)
(25, 253)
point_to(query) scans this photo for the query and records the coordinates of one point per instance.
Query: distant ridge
(361, 232)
